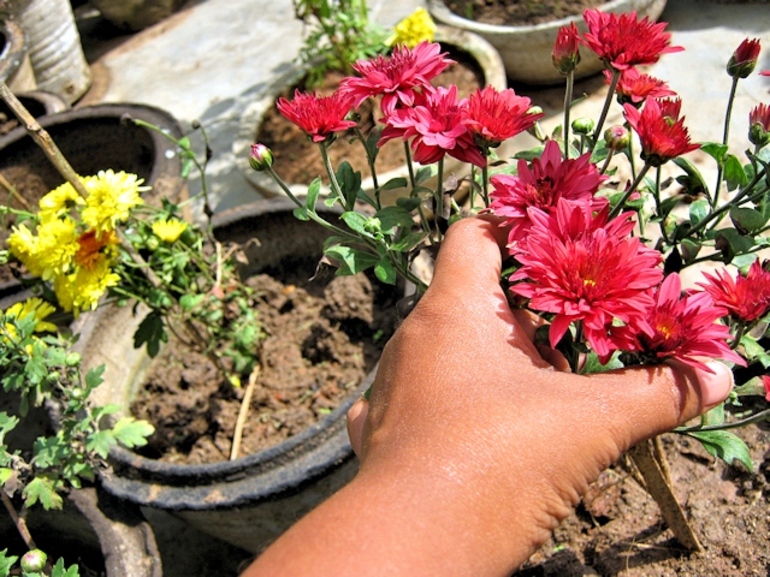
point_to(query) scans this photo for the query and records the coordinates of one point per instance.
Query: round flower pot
(251, 500)
(136, 14)
(91, 138)
(94, 530)
(477, 50)
(55, 50)
(15, 66)
(526, 50)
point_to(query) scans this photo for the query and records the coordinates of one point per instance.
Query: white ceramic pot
(479, 50)
(526, 50)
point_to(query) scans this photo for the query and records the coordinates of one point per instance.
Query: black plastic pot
(249, 501)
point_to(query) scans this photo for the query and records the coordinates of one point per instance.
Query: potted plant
(181, 282)
(574, 205)
(526, 47)
(478, 64)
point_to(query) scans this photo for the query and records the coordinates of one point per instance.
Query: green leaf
(6, 563)
(301, 213)
(409, 203)
(592, 364)
(190, 301)
(715, 416)
(5, 474)
(689, 250)
(151, 332)
(312, 196)
(59, 570)
(42, 490)
(699, 210)
(350, 182)
(394, 183)
(351, 260)
(735, 176)
(100, 443)
(7, 424)
(747, 220)
(132, 432)
(755, 351)
(716, 150)
(424, 174)
(693, 181)
(731, 242)
(94, 377)
(385, 271)
(394, 217)
(357, 222)
(724, 445)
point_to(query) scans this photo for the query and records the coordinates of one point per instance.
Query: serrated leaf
(59, 570)
(132, 432)
(41, 490)
(100, 443)
(6, 563)
(724, 445)
(190, 301)
(151, 332)
(7, 424)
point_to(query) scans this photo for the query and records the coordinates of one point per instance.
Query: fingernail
(714, 385)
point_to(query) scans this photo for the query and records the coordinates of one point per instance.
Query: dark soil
(519, 12)
(297, 159)
(617, 528)
(322, 341)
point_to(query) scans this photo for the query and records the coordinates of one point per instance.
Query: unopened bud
(33, 561)
(583, 125)
(617, 138)
(759, 125)
(261, 157)
(744, 59)
(566, 54)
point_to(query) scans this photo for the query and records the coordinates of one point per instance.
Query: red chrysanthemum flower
(661, 131)
(566, 50)
(747, 298)
(744, 60)
(622, 40)
(541, 185)
(435, 125)
(635, 87)
(581, 266)
(764, 73)
(684, 328)
(318, 116)
(759, 125)
(766, 379)
(493, 116)
(398, 77)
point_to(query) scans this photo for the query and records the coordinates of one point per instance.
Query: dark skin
(473, 447)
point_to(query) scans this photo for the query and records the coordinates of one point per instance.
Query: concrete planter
(15, 66)
(526, 50)
(475, 47)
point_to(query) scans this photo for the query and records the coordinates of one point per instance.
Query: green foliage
(724, 445)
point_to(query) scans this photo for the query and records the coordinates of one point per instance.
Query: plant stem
(755, 418)
(606, 108)
(243, 412)
(619, 206)
(335, 185)
(725, 134)
(659, 488)
(567, 105)
(18, 521)
(14, 193)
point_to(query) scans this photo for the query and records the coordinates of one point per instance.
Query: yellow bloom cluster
(74, 243)
(415, 28)
(32, 306)
(169, 230)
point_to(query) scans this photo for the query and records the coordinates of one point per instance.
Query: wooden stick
(659, 489)
(14, 193)
(21, 524)
(243, 413)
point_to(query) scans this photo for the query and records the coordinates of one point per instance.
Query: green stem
(755, 418)
(606, 107)
(725, 135)
(335, 185)
(619, 206)
(567, 109)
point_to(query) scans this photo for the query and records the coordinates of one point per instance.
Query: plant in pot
(166, 279)
(477, 64)
(524, 32)
(604, 225)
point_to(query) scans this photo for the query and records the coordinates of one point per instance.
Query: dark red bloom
(744, 59)
(541, 185)
(635, 87)
(622, 40)
(747, 298)
(566, 50)
(435, 125)
(661, 131)
(766, 379)
(581, 266)
(685, 328)
(318, 116)
(396, 77)
(493, 116)
(759, 125)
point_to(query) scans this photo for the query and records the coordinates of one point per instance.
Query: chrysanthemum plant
(89, 242)
(601, 221)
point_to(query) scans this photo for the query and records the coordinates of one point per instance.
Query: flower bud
(566, 53)
(583, 125)
(744, 59)
(72, 359)
(261, 157)
(759, 125)
(33, 561)
(153, 243)
(617, 138)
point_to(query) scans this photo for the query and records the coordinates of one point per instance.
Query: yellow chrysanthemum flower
(82, 289)
(32, 306)
(111, 195)
(415, 28)
(169, 230)
(59, 202)
(50, 251)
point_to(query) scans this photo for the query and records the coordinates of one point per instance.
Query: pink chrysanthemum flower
(397, 77)
(318, 116)
(435, 125)
(635, 87)
(540, 185)
(566, 49)
(661, 131)
(581, 266)
(684, 328)
(622, 40)
(747, 298)
(493, 116)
